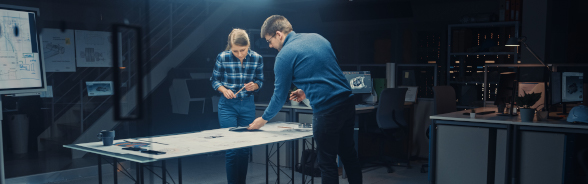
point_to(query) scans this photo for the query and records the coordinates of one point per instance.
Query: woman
(238, 73)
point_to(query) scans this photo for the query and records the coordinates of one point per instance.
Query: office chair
(444, 103)
(391, 124)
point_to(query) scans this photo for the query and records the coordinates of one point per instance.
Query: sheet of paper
(411, 93)
(94, 48)
(59, 50)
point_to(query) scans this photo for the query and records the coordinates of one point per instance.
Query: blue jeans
(233, 112)
(333, 133)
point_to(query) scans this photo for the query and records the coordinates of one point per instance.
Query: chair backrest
(390, 114)
(444, 99)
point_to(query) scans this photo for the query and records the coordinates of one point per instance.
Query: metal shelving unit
(469, 48)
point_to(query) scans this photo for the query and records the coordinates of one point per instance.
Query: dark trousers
(333, 132)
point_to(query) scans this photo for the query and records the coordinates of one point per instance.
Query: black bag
(309, 164)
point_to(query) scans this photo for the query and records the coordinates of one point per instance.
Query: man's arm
(283, 75)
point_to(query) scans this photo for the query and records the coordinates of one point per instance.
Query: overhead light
(432, 62)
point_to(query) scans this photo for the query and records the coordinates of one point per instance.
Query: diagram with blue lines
(19, 57)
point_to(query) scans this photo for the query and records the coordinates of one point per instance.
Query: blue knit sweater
(308, 61)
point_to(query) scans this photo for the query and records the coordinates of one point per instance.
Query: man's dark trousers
(333, 131)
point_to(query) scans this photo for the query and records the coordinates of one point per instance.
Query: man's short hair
(275, 23)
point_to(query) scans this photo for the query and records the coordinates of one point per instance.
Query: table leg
(266, 164)
(163, 174)
(180, 170)
(99, 169)
(303, 162)
(114, 170)
(278, 161)
(138, 170)
(312, 177)
(293, 157)
(142, 174)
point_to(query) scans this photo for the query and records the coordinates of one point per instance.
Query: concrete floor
(210, 169)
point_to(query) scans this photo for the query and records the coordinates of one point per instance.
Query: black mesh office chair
(391, 124)
(445, 102)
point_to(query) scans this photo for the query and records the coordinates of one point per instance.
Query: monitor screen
(505, 88)
(21, 70)
(572, 87)
(360, 81)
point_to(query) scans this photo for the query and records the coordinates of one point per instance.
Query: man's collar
(290, 36)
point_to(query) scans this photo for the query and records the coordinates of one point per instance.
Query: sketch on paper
(58, 50)
(99, 88)
(94, 48)
(19, 58)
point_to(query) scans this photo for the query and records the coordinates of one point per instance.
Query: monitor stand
(564, 109)
(357, 98)
(371, 98)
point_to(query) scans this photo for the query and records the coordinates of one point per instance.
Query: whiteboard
(21, 68)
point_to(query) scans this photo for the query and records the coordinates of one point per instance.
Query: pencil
(240, 90)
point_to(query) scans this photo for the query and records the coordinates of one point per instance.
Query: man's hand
(251, 86)
(297, 95)
(228, 93)
(257, 123)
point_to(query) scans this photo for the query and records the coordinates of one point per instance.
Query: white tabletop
(302, 106)
(178, 145)
(496, 119)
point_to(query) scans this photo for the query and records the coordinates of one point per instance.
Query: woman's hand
(227, 93)
(251, 86)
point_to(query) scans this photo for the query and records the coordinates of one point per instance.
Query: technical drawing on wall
(99, 88)
(58, 50)
(53, 50)
(94, 48)
(19, 58)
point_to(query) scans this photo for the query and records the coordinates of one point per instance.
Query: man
(308, 61)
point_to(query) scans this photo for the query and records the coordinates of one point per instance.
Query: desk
(188, 144)
(498, 149)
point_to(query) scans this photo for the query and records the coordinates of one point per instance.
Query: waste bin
(19, 133)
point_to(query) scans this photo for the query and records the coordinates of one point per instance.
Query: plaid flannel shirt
(229, 72)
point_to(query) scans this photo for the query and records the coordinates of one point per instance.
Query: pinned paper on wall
(58, 52)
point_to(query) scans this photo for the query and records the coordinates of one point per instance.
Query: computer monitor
(360, 81)
(504, 91)
(572, 86)
(566, 87)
